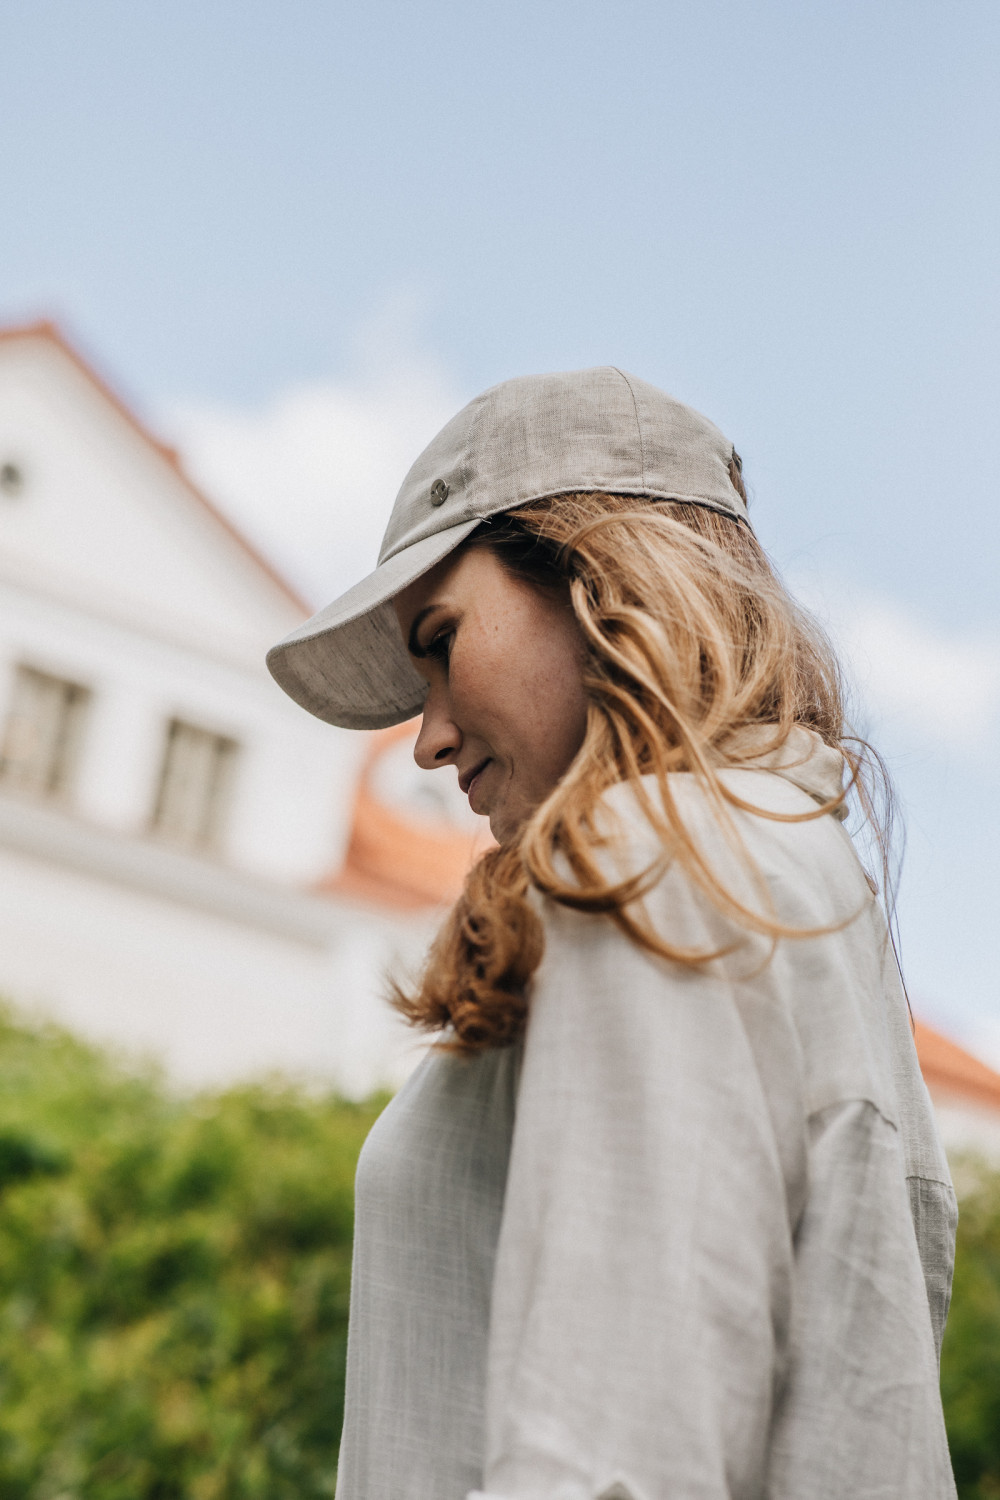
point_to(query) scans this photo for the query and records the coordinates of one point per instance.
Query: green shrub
(970, 1359)
(174, 1285)
(173, 1281)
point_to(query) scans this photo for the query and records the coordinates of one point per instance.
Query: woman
(664, 1214)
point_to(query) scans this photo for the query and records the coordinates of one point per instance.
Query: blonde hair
(691, 639)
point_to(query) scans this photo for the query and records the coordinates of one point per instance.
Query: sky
(298, 236)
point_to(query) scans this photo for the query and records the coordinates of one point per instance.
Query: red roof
(953, 1074)
(396, 861)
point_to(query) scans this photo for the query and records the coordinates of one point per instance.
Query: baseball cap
(526, 439)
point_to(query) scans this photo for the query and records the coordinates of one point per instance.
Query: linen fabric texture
(694, 1237)
(522, 440)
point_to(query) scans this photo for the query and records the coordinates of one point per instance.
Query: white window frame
(194, 785)
(43, 732)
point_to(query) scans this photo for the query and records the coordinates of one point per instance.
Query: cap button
(440, 490)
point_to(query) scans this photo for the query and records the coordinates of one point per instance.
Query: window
(43, 731)
(195, 778)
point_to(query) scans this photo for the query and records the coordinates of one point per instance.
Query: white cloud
(311, 476)
(943, 686)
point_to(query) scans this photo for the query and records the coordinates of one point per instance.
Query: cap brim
(348, 664)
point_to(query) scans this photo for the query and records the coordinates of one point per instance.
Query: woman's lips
(473, 784)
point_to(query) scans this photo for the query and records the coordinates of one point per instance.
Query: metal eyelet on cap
(440, 491)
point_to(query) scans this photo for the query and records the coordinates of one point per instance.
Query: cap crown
(523, 440)
(540, 435)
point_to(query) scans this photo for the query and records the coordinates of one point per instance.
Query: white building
(188, 867)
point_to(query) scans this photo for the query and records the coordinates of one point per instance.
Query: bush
(173, 1281)
(970, 1359)
(174, 1287)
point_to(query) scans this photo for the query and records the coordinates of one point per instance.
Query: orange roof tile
(396, 861)
(949, 1070)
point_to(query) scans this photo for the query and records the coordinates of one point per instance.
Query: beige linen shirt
(693, 1240)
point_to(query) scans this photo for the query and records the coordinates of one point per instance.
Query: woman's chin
(503, 827)
(499, 830)
(507, 820)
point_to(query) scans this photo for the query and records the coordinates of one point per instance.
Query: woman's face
(503, 661)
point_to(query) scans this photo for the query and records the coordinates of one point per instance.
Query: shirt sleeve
(859, 1413)
(642, 1290)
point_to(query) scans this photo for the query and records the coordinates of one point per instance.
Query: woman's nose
(439, 739)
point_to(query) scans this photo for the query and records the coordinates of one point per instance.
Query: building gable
(95, 511)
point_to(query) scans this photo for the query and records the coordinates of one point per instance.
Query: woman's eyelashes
(438, 648)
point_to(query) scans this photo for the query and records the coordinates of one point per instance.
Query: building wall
(224, 962)
(967, 1127)
(219, 983)
(111, 573)
(289, 813)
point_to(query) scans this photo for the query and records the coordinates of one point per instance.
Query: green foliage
(173, 1281)
(174, 1284)
(970, 1359)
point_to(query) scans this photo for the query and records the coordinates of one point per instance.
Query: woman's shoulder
(800, 773)
(768, 809)
(819, 967)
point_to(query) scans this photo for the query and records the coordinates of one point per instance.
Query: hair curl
(690, 639)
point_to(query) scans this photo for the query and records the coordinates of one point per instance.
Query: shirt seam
(854, 1099)
(937, 1181)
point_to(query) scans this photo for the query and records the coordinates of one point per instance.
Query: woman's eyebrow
(413, 645)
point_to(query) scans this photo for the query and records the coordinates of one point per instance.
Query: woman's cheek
(472, 673)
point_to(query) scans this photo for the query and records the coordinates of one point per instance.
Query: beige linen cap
(526, 439)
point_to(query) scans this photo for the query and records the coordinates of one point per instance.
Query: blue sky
(298, 235)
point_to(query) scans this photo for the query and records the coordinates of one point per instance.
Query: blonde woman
(663, 1215)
